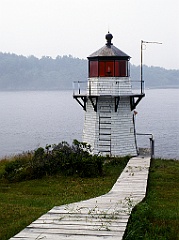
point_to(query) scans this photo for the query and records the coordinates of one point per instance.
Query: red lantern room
(109, 61)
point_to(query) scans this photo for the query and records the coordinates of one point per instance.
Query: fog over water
(30, 119)
(51, 28)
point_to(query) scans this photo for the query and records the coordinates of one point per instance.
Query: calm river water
(31, 119)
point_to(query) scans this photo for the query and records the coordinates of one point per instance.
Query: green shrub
(62, 158)
(77, 160)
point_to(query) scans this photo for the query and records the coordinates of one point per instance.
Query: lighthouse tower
(109, 125)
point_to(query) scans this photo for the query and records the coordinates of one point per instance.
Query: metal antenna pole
(141, 67)
(141, 63)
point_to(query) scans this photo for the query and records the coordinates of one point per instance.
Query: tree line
(31, 73)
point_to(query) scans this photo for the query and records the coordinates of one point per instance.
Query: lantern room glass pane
(117, 69)
(121, 68)
(106, 68)
(93, 69)
(110, 69)
(102, 69)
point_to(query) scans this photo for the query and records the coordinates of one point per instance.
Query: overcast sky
(78, 27)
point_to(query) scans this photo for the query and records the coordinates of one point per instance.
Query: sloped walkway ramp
(103, 217)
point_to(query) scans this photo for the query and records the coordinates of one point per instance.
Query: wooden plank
(68, 223)
(32, 236)
(58, 232)
(75, 228)
(80, 217)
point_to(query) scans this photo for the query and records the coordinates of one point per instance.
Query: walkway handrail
(152, 147)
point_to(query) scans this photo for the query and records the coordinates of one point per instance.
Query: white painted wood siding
(109, 86)
(90, 122)
(108, 131)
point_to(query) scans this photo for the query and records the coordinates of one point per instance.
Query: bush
(77, 160)
(61, 158)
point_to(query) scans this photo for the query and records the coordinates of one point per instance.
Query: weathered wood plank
(32, 236)
(75, 229)
(58, 232)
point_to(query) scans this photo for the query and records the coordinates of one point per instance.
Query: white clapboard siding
(108, 131)
(109, 86)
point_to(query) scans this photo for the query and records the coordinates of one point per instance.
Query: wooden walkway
(103, 217)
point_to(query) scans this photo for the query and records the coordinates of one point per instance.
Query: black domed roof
(109, 50)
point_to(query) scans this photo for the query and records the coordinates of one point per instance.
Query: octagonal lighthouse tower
(109, 103)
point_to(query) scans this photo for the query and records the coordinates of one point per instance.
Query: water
(32, 119)
(158, 113)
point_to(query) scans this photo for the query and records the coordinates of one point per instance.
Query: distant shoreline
(68, 89)
(19, 73)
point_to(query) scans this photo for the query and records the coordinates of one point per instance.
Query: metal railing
(113, 86)
(138, 86)
(144, 150)
(79, 87)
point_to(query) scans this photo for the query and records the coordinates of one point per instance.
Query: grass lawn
(157, 217)
(23, 202)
